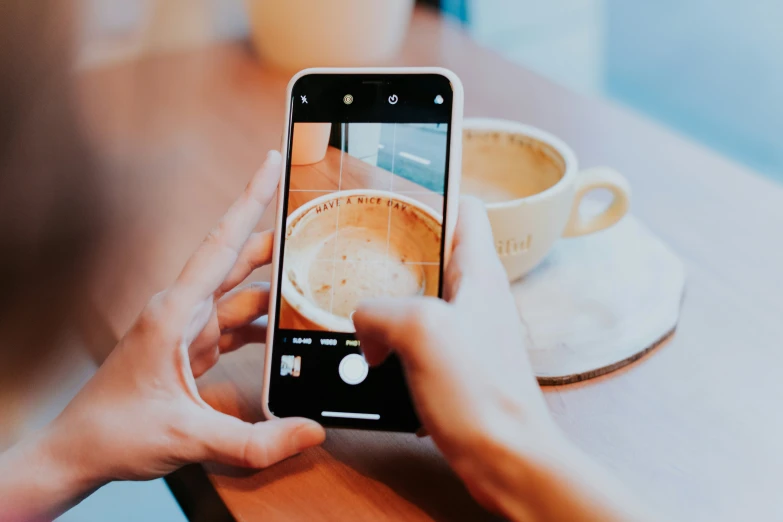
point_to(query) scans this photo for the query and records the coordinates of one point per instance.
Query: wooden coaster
(599, 302)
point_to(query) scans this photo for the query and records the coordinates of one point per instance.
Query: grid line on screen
(391, 190)
(415, 181)
(343, 130)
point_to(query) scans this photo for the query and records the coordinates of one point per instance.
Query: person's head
(50, 208)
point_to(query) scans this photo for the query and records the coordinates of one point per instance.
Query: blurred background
(711, 69)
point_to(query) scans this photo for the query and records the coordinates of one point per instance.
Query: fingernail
(309, 434)
(273, 157)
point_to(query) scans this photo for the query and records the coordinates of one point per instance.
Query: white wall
(561, 39)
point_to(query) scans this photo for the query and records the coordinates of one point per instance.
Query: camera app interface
(365, 206)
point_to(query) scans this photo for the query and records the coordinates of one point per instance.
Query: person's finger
(379, 325)
(239, 312)
(232, 441)
(237, 319)
(473, 251)
(473, 241)
(243, 306)
(254, 332)
(206, 270)
(204, 361)
(200, 339)
(256, 253)
(375, 350)
(401, 325)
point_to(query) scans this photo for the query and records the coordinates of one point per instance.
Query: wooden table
(694, 427)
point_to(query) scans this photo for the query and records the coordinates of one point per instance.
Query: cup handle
(599, 178)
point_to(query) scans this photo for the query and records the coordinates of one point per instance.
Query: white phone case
(452, 201)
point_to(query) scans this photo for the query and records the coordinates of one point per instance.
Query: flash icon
(304, 99)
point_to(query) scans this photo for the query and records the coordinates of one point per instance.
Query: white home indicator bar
(349, 415)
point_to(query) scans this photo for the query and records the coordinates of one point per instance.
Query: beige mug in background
(532, 188)
(311, 140)
(297, 34)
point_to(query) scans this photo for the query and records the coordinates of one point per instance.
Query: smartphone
(367, 208)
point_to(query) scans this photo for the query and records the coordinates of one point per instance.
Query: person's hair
(50, 204)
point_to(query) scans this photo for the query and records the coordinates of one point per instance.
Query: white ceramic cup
(346, 246)
(532, 187)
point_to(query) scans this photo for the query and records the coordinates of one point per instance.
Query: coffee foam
(501, 166)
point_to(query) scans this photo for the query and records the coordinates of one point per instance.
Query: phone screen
(367, 180)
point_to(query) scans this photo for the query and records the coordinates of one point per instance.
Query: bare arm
(473, 388)
(39, 481)
(141, 417)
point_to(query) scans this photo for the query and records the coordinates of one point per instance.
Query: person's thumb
(394, 324)
(229, 440)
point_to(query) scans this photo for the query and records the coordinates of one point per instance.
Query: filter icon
(438, 99)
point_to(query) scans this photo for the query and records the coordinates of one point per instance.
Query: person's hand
(464, 356)
(473, 388)
(141, 416)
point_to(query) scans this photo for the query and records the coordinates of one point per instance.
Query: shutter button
(353, 369)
